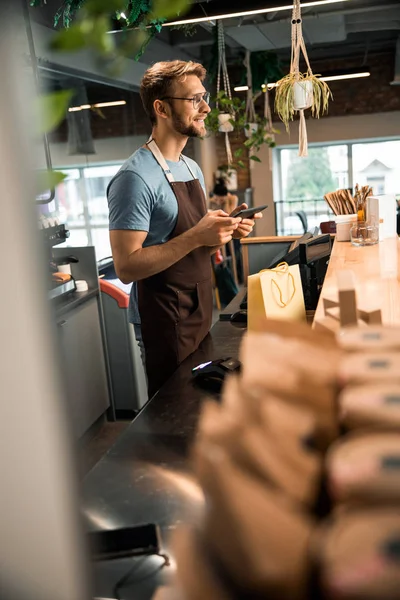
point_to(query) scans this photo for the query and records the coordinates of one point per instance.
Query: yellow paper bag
(275, 294)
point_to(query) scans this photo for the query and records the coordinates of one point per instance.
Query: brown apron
(175, 305)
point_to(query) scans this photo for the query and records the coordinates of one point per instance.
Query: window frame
(277, 168)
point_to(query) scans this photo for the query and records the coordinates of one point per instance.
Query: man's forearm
(149, 261)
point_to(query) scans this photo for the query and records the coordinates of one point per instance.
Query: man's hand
(216, 228)
(247, 225)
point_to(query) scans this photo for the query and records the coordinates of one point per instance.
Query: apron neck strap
(156, 152)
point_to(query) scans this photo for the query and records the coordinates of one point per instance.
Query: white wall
(325, 130)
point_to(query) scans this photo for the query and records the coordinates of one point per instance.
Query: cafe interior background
(357, 141)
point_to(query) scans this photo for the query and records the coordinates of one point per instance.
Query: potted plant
(299, 91)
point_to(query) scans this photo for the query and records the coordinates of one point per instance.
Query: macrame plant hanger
(269, 130)
(250, 112)
(299, 46)
(223, 71)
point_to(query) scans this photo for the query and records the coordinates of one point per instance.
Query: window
(377, 165)
(81, 204)
(304, 181)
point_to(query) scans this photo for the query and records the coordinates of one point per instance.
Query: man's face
(185, 119)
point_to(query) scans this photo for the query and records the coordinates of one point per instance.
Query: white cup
(344, 223)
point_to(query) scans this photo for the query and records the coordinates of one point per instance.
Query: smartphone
(129, 541)
(248, 213)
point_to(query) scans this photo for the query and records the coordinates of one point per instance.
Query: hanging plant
(298, 91)
(251, 125)
(259, 131)
(224, 104)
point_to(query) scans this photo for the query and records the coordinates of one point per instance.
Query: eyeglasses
(197, 99)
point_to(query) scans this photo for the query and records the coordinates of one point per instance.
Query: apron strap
(156, 152)
(190, 170)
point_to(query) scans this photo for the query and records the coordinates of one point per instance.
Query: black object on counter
(239, 318)
(141, 540)
(210, 375)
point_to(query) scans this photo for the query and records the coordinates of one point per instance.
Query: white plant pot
(224, 125)
(250, 129)
(303, 94)
(231, 180)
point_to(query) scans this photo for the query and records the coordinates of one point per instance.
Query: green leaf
(71, 39)
(238, 152)
(48, 180)
(165, 9)
(255, 158)
(241, 164)
(101, 7)
(248, 143)
(99, 38)
(51, 109)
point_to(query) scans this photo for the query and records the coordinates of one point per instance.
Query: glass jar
(364, 234)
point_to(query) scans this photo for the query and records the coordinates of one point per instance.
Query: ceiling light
(248, 13)
(346, 76)
(98, 105)
(116, 103)
(355, 75)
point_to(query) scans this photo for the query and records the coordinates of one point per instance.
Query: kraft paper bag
(254, 531)
(270, 448)
(275, 294)
(197, 576)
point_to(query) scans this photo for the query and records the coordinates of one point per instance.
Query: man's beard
(183, 129)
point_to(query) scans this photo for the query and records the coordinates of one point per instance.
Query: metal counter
(146, 476)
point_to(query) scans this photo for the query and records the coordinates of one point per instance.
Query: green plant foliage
(237, 108)
(309, 177)
(284, 96)
(50, 110)
(165, 9)
(48, 180)
(265, 68)
(86, 24)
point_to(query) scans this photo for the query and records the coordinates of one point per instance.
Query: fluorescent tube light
(116, 103)
(348, 76)
(98, 105)
(244, 88)
(248, 13)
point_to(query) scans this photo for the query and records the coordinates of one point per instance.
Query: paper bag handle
(282, 269)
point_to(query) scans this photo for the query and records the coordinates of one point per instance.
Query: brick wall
(365, 95)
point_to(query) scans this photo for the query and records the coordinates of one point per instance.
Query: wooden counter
(377, 276)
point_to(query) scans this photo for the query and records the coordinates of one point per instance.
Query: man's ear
(161, 109)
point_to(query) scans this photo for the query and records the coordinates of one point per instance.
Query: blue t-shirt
(140, 198)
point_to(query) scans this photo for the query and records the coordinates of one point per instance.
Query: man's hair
(159, 79)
